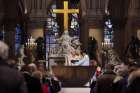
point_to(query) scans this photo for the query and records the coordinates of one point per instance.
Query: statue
(113, 57)
(68, 46)
(21, 56)
(65, 42)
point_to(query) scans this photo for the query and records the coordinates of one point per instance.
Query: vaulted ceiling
(12, 11)
(119, 11)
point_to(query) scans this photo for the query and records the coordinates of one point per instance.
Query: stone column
(83, 23)
(10, 39)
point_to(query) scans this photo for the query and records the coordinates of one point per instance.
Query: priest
(84, 61)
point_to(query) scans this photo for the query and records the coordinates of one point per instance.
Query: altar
(59, 60)
(66, 49)
(73, 76)
(61, 49)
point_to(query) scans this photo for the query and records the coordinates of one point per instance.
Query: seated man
(84, 61)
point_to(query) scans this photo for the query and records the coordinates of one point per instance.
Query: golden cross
(66, 11)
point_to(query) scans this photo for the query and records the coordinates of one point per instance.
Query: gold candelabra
(31, 43)
(31, 47)
(107, 45)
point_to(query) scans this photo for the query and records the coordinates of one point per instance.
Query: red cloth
(45, 88)
(98, 71)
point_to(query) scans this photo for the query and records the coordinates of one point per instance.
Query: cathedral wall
(36, 32)
(138, 33)
(97, 33)
(35, 29)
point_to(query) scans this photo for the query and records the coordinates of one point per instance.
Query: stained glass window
(74, 19)
(18, 39)
(108, 30)
(2, 32)
(52, 30)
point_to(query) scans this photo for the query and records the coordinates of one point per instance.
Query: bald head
(4, 50)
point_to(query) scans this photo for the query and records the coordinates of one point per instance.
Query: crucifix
(66, 11)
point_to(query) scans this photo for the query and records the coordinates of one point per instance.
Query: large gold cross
(66, 11)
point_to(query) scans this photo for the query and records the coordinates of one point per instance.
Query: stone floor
(75, 90)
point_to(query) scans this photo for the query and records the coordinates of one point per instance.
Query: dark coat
(33, 84)
(134, 87)
(11, 81)
(121, 85)
(134, 82)
(54, 85)
(104, 83)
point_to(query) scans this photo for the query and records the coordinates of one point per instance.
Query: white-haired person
(11, 81)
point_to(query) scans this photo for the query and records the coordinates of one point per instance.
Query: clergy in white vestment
(73, 56)
(84, 60)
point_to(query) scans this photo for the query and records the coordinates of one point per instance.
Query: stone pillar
(83, 24)
(84, 33)
(10, 39)
(119, 41)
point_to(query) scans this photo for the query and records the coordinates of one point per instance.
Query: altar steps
(75, 90)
